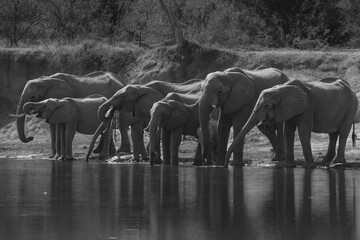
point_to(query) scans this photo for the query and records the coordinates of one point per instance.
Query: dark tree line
(229, 23)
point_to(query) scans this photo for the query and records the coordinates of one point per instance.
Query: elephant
(61, 85)
(70, 115)
(325, 106)
(135, 99)
(175, 118)
(191, 86)
(235, 92)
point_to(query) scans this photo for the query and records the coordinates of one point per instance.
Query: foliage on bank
(303, 24)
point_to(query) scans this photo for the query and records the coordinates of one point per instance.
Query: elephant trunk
(31, 107)
(204, 117)
(153, 128)
(106, 111)
(20, 122)
(99, 131)
(252, 122)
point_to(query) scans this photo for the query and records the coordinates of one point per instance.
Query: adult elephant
(175, 118)
(135, 99)
(192, 86)
(61, 85)
(70, 115)
(327, 106)
(235, 93)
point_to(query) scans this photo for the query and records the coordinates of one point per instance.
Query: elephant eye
(267, 106)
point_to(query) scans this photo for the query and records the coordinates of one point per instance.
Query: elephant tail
(353, 136)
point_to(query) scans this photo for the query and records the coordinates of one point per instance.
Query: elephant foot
(145, 159)
(134, 160)
(197, 162)
(286, 164)
(338, 160)
(309, 165)
(278, 158)
(52, 155)
(326, 159)
(57, 157)
(104, 157)
(123, 150)
(158, 161)
(333, 165)
(237, 164)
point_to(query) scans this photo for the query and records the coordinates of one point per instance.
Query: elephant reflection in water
(326, 106)
(71, 115)
(175, 118)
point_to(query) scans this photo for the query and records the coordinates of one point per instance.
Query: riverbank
(136, 65)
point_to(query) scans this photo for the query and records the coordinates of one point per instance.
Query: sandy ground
(257, 150)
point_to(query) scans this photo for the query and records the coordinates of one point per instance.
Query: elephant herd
(205, 109)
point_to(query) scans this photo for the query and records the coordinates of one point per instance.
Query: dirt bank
(135, 65)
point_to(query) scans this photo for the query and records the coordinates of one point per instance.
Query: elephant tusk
(17, 115)
(108, 112)
(213, 107)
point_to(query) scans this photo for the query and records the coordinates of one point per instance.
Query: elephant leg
(269, 132)
(70, 129)
(330, 154)
(223, 131)
(125, 143)
(60, 135)
(198, 158)
(158, 159)
(343, 135)
(239, 121)
(107, 140)
(289, 135)
(138, 140)
(280, 149)
(305, 137)
(143, 151)
(59, 143)
(52, 140)
(165, 139)
(175, 140)
(124, 128)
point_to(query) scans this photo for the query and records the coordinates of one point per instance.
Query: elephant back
(104, 83)
(266, 78)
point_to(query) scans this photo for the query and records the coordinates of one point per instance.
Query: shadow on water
(74, 200)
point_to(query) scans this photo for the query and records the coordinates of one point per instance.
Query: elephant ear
(178, 115)
(63, 111)
(293, 100)
(242, 92)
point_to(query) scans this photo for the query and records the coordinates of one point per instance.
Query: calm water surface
(74, 200)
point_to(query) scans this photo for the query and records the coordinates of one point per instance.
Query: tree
(19, 18)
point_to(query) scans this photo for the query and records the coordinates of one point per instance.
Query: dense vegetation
(229, 23)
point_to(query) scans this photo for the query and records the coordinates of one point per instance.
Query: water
(42, 199)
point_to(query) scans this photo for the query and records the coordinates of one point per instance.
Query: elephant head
(52, 109)
(229, 91)
(274, 105)
(37, 90)
(169, 114)
(125, 99)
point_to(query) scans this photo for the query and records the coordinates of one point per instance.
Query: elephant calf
(327, 106)
(175, 118)
(70, 115)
